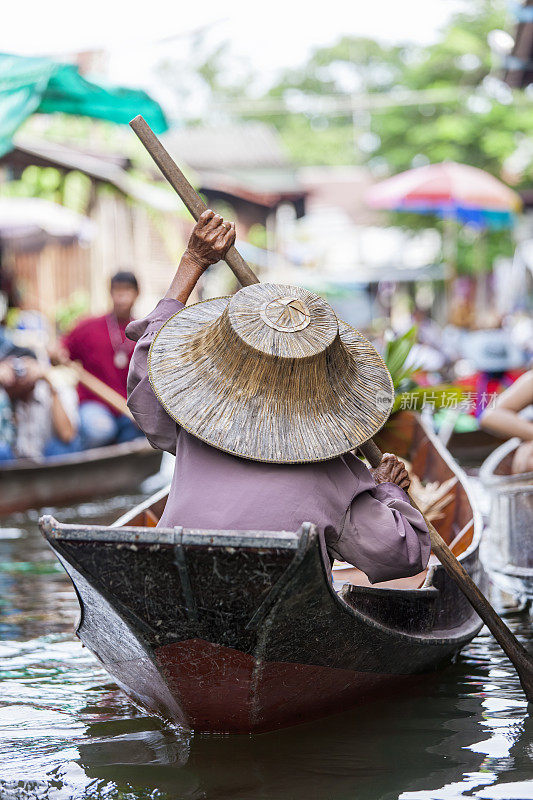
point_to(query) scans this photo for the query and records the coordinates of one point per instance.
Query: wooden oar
(516, 653)
(101, 389)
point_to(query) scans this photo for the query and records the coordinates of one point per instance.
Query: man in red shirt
(100, 344)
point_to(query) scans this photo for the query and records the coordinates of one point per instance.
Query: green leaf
(396, 353)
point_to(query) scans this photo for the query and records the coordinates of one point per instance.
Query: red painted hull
(224, 690)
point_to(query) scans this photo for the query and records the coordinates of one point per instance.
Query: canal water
(66, 731)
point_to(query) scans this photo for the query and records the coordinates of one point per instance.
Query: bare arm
(62, 425)
(210, 240)
(504, 419)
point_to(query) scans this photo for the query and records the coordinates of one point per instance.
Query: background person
(498, 363)
(37, 419)
(101, 346)
(509, 418)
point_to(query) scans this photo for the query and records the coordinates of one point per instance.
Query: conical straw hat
(270, 374)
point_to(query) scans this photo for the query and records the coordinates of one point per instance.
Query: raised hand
(210, 239)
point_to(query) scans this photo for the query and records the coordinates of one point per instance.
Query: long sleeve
(383, 535)
(158, 427)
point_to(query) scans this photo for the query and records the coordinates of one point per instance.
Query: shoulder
(360, 470)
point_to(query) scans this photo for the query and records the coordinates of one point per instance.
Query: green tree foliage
(71, 190)
(360, 101)
(482, 126)
(482, 123)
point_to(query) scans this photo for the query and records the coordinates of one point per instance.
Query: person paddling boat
(262, 397)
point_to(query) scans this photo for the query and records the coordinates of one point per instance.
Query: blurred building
(134, 226)
(241, 166)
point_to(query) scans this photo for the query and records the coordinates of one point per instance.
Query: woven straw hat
(270, 374)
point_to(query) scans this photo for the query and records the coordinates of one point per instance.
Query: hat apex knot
(287, 314)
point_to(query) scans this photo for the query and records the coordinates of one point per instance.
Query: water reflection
(66, 731)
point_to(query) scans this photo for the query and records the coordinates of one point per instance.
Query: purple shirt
(371, 526)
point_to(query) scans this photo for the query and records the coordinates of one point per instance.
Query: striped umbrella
(450, 190)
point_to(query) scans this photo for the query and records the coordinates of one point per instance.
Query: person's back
(365, 518)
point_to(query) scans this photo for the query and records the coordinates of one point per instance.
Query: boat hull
(79, 476)
(269, 661)
(245, 631)
(507, 549)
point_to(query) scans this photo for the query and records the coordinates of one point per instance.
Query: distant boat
(245, 631)
(472, 447)
(507, 549)
(78, 476)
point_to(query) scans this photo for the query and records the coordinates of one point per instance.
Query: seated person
(365, 517)
(101, 346)
(8, 348)
(506, 420)
(36, 418)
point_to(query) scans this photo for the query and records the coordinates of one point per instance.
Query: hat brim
(215, 408)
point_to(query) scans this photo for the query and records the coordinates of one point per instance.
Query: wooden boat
(245, 630)
(77, 476)
(472, 447)
(507, 550)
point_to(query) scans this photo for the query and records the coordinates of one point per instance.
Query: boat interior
(406, 437)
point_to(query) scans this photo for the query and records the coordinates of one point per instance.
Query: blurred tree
(204, 78)
(71, 190)
(333, 133)
(483, 125)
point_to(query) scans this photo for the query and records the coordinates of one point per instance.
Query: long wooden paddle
(101, 389)
(516, 653)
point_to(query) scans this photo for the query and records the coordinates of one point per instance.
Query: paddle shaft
(101, 389)
(517, 654)
(190, 197)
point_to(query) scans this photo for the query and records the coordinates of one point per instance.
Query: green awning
(33, 85)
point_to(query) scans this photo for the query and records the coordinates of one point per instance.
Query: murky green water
(67, 732)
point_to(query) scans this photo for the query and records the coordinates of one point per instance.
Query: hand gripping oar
(516, 653)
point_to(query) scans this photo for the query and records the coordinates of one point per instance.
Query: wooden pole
(190, 197)
(517, 654)
(101, 389)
